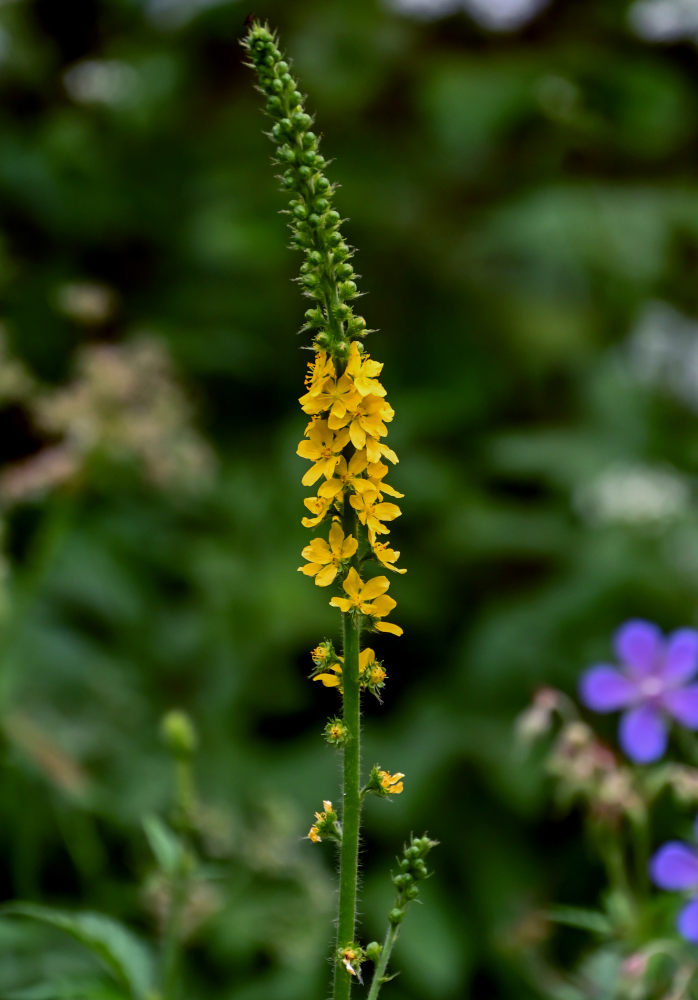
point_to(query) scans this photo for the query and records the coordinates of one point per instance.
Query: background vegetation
(523, 195)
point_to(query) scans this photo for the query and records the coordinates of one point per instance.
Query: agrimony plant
(350, 550)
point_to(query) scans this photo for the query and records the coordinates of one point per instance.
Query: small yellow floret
(323, 559)
(392, 783)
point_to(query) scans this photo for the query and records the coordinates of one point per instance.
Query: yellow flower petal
(349, 547)
(329, 680)
(366, 656)
(342, 603)
(336, 537)
(352, 583)
(389, 627)
(374, 588)
(326, 575)
(382, 606)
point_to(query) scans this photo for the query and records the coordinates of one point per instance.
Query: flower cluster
(326, 824)
(343, 442)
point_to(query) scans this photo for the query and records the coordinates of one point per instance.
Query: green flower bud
(373, 951)
(178, 733)
(396, 916)
(301, 120)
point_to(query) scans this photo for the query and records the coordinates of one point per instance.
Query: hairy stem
(351, 811)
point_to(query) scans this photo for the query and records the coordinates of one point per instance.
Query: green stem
(382, 964)
(351, 812)
(170, 943)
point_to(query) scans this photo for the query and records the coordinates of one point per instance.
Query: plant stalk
(351, 810)
(382, 964)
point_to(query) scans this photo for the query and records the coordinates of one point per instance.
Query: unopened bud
(178, 733)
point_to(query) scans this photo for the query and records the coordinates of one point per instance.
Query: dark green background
(519, 201)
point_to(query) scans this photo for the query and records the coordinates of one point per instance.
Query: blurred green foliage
(523, 203)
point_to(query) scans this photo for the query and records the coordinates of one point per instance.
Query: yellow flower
(375, 473)
(392, 783)
(323, 559)
(323, 448)
(369, 598)
(323, 652)
(338, 396)
(317, 506)
(368, 420)
(369, 670)
(318, 372)
(324, 819)
(373, 514)
(345, 475)
(364, 371)
(376, 674)
(375, 449)
(387, 556)
(349, 956)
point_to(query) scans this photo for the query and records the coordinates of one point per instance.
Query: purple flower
(675, 867)
(650, 685)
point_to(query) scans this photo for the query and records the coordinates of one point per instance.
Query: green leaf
(576, 916)
(164, 844)
(118, 949)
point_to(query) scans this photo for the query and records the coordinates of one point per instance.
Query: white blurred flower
(426, 8)
(665, 20)
(503, 15)
(663, 351)
(101, 81)
(87, 302)
(633, 494)
(496, 15)
(173, 13)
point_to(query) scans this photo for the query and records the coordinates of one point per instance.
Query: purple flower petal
(681, 659)
(687, 921)
(604, 689)
(675, 866)
(683, 705)
(638, 645)
(643, 734)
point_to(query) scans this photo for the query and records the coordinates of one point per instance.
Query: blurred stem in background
(181, 741)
